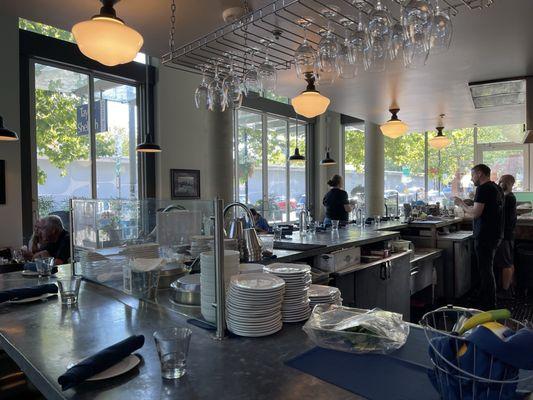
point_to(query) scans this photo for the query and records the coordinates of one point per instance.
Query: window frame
(34, 47)
(265, 115)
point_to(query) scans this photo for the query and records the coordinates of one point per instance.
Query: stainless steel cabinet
(455, 277)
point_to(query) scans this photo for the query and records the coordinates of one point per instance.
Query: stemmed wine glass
(201, 95)
(417, 18)
(217, 96)
(441, 31)
(347, 64)
(267, 72)
(232, 85)
(305, 55)
(252, 83)
(379, 27)
(360, 45)
(328, 49)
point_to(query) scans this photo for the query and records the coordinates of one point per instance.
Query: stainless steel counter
(43, 338)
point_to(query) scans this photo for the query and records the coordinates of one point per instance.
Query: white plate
(32, 299)
(287, 268)
(257, 282)
(254, 334)
(248, 268)
(123, 366)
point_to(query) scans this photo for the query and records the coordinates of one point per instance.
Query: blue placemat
(401, 376)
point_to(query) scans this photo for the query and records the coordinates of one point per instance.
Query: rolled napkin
(99, 362)
(27, 292)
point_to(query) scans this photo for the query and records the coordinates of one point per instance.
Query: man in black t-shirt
(504, 259)
(487, 212)
(56, 241)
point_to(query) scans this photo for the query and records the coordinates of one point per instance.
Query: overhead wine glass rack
(277, 22)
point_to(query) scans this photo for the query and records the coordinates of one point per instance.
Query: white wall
(11, 212)
(191, 138)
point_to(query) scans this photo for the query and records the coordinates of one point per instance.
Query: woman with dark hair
(336, 201)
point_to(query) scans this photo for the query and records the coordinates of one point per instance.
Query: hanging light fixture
(440, 141)
(106, 38)
(327, 160)
(310, 103)
(7, 135)
(148, 146)
(296, 156)
(394, 127)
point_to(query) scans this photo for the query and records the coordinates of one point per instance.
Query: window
(404, 170)
(65, 136)
(449, 168)
(279, 190)
(354, 163)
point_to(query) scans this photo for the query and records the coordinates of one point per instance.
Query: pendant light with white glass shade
(440, 141)
(106, 38)
(327, 160)
(310, 103)
(297, 156)
(394, 127)
(7, 135)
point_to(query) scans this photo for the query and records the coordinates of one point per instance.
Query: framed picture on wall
(2, 181)
(185, 183)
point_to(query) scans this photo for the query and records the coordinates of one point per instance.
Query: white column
(374, 170)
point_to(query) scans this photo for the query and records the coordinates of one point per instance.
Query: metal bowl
(170, 273)
(186, 290)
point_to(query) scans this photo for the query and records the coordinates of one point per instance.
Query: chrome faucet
(243, 206)
(249, 244)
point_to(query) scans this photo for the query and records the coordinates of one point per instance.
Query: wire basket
(455, 379)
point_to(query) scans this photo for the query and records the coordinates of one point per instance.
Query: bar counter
(43, 338)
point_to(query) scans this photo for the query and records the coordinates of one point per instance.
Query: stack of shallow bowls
(253, 304)
(199, 244)
(208, 279)
(321, 294)
(297, 279)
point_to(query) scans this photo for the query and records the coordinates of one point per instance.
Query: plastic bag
(355, 330)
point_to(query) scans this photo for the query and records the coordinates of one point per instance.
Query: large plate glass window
(354, 163)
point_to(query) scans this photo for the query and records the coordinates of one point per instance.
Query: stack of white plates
(248, 268)
(229, 244)
(321, 294)
(207, 279)
(199, 244)
(146, 250)
(297, 279)
(253, 304)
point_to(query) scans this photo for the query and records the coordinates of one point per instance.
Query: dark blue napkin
(27, 292)
(99, 362)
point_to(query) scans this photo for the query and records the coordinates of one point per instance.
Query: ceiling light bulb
(394, 127)
(106, 39)
(310, 103)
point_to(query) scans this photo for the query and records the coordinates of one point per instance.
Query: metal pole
(71, 227)
(219, 269)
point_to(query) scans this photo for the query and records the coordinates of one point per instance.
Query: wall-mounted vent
(498, 94)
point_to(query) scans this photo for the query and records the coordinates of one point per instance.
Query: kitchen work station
(266, 199)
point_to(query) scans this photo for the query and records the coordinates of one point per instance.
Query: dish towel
(27, 292)
(100, 361)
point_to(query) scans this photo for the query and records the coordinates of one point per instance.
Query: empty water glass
(172, 347)
(44, 265)
(334, 224)
(69, 289)
(277, 233)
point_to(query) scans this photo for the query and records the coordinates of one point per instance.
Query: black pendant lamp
(7, 135)
(297, 156)
(327, 160)
(148, 146)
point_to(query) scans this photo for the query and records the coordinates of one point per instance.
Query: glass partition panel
(279, 205)
(115, 239)
(354, 164)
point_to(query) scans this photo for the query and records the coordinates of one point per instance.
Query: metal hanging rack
(277, 22)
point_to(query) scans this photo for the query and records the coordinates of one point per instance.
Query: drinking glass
(377, 55)
(267, 72)
(17, 255)
(347, 65)
(44, 265)
(232, 85)
(277, 233)
(305, 55)
(172, 348)
(267, 247)
(328, 50)
(69, 289)
(334, 224)
(398, 39)
(252, 84)
(216, 92)
(201, 95)
(379, 25)
(416, 51)
(360, 46)
(441, 31)
(417, 18)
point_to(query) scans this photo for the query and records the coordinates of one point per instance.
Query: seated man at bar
(504, 260)
(487, 212)
(56, 241)
(260, 222)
